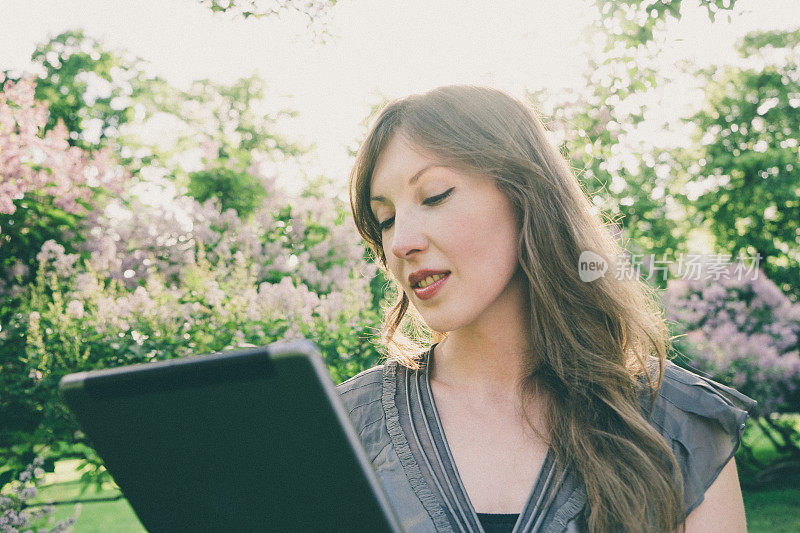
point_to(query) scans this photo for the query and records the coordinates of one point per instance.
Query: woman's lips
(432, 289)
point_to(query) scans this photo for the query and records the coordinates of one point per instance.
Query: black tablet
(247, 440)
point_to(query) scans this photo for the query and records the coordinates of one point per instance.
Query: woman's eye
(433, 200)
(386, 224)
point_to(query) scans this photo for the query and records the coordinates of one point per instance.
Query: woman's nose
(407, 237)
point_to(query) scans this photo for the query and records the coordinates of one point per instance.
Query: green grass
(100, 516)
(117, 516)
(772, 510)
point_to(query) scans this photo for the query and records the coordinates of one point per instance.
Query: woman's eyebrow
(411, 181)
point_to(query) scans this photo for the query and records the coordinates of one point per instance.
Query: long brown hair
(594, 343)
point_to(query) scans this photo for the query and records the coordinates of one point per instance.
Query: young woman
(545, 402)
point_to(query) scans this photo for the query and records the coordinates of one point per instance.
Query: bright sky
(377, 47)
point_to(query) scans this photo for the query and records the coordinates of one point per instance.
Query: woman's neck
(480, 366)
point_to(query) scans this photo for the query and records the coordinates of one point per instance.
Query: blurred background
(173, 182)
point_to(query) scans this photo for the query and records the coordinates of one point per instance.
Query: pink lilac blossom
(30, 160)
(34, 163)
(743, 330)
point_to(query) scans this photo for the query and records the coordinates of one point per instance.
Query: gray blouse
(393, 411)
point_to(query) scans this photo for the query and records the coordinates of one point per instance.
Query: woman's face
(440, 219)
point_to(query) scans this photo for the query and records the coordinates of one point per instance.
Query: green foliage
(634, 22)
(754, 43)
(262, 8)
(234, 126)
(87, 86)
(314, 13)
(36, 220)
(746, 187)
(95, 91)
(231, 117)
(235, 190)
(267, 8)
(746, 138)
(630, 181)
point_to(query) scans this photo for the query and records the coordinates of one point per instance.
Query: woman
(545, 402)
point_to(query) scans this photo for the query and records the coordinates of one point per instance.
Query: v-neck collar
(428, 443)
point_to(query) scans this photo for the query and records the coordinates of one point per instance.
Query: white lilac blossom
(130, 244)
(75, 309)
(62, 263)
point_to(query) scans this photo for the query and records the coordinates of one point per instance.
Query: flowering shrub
(153, 274)
(741, 330)
(30, 160)
(52, 182)
(186, 300)
(17, 512)
(305, 238)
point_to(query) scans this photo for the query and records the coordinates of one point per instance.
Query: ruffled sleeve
(361, 397)
(703, 421)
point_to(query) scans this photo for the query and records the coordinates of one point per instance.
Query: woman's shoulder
(371, 377)
(362, 397)
(361, 394)
(703, 421)
(687, 396)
